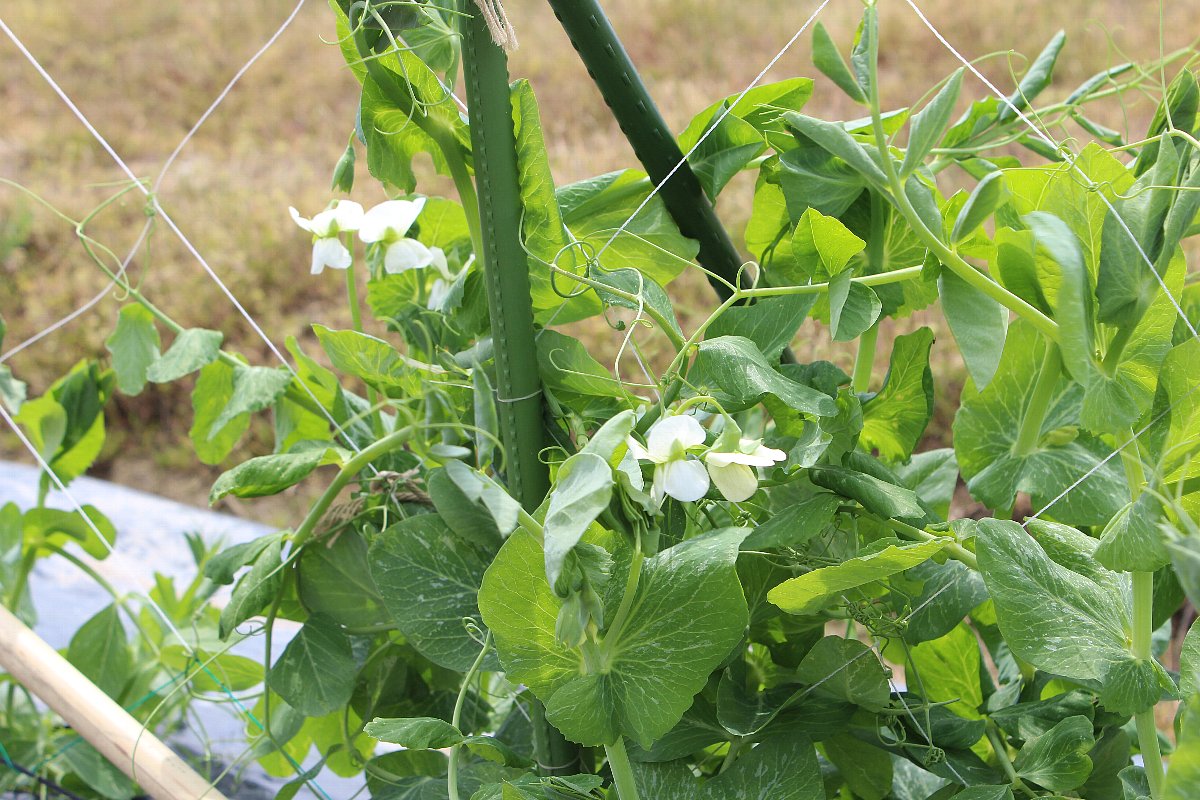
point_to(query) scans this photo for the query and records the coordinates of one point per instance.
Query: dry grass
(143, 72)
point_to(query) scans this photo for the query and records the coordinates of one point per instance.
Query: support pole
(653, 143)
(505, 264)
(506, 273)
(106, 726)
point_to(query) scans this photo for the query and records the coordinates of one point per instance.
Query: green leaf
(582, 491)
(735, 372)
(866, 769)
(91, 530)
(795, 524)
(985, 432)
(12, 391)
(948, 593)
(429, 578)
(566, 366)
(1073, 309)
(254, 388)
(95, 771)
(415, 733)
(470, 520)
(810, 592)
(222, 567)
(827, 58)
(334, 579)
(979, 325)
(933, 475)
(1035, 79)
(134, 347)
(1058, 759)
(877, 496)
(373, 360)
(853, 307)
(895, 419)
(1183, 778)
(726, 150)
(835, 140)
(594, 209)
(482, 492)
(928, 125)
(771, 323)
(222, 672)
(989, 194)
(100, 650)
(256, 589)
(822, 246)
(777, 769)
(315, 672)
(949, 671)
(1132, 540)
(688, 600)
(192, 349)
(267, 475)
(545, 233)
(848, 670)
(1059, 619)
(648, 293)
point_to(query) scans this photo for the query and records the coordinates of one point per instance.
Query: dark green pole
(653, 143)
(505, 265)
(506, 271)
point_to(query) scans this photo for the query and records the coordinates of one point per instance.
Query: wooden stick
(94, 715)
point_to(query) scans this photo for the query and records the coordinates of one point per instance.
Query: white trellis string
(161, 212)
(1071, 158)
(713, 126)
(1073, 163)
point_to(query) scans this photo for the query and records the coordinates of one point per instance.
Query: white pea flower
(438, 293)
(677, 473)
(732, 462)
(341, 216)
(388, 224)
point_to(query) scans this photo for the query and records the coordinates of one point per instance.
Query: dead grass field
(144, 71)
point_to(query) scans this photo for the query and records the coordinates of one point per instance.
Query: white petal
(348, 215)
(396, 216)
(437, 295)
(719, 459)
(735, 482)
(673, 433)
(629, 465)
(439, 262)
(303, 222)
(406, 254)
(683, 479)
(636, 449)
(325, 223)
(329, 252)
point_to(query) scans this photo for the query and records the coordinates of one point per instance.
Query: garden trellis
(637, 576)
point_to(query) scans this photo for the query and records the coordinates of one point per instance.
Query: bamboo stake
(96, 717)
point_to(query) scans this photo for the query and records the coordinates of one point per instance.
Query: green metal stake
(653, 143)
(506, 270)
(505, 264)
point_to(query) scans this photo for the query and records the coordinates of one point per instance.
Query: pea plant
(730, 575)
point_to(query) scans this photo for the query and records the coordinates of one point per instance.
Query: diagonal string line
(162, 213)
(1071, 158)
(712, 127)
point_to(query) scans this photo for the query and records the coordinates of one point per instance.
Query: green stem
(1039, 403)
(1116, 348)
(18, 587)
(357, 464)
(953, 549)
(731, 755)
(930, 239)
(1143, 625)
(865, 359)
(1001, 751)
(356, 321)
(456, 717)
(622, 771)
(631, 583)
